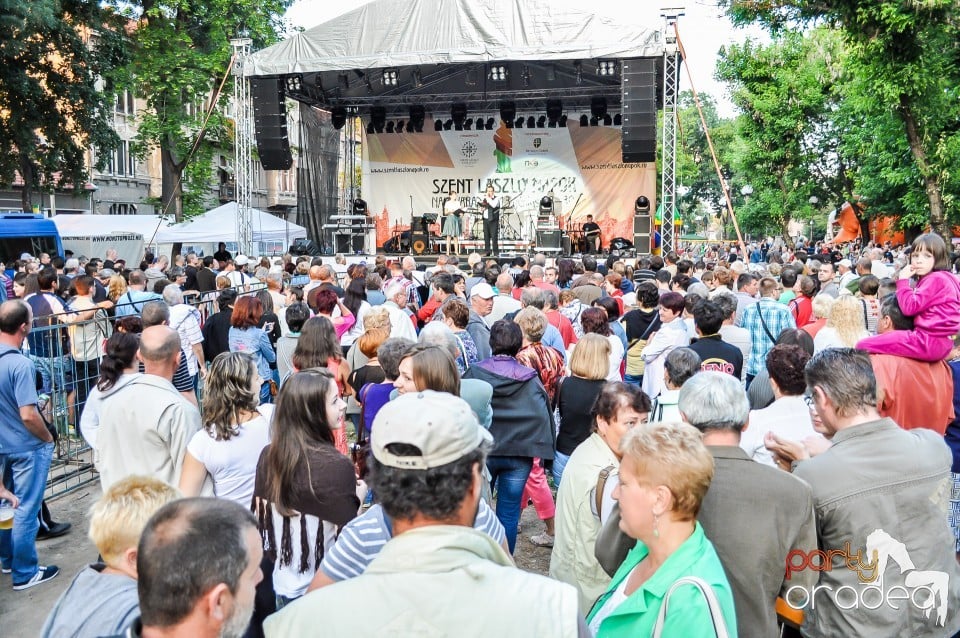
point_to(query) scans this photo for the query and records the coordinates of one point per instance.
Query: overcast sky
(703, 30)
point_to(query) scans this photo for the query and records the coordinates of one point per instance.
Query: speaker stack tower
(270, 124)
(639, 132)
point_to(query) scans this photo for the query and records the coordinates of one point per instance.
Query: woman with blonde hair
(236, 428)
(576, 395)
(665, 471)
(116, 287)
(846, 325)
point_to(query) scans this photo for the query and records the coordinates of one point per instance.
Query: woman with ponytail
(117, 368)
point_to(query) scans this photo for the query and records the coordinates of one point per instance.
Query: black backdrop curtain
(317, 174)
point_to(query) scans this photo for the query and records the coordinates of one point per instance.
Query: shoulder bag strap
(601, 486)
(713, 606)
(764, 324)
(866, 321)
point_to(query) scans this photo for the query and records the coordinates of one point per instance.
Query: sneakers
(542, 540)
(56, 529)
(5, 570)
(43, 575)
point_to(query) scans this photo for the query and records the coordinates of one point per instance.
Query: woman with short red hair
(245, 336)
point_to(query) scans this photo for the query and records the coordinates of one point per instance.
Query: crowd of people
(717, 442)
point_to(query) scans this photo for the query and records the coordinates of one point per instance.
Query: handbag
(713, 606)
(612, 545)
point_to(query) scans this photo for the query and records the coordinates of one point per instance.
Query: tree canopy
(58, 60)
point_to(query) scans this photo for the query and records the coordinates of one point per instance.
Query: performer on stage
(359, 206)
(591, 233)
(452, 212)
(491, 221)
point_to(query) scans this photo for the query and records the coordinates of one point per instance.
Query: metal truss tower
(668, 155)
(243, 142)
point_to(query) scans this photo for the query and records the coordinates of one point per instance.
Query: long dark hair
(298, 425)
(355, 294)
(316, 345)
(564, 272)
(121, 349)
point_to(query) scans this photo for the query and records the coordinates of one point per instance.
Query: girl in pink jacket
(930, 293)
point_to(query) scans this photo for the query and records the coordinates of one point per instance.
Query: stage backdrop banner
(409, 174)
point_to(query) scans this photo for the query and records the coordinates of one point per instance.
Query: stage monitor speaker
(304, 247)
(565, 244)
(347, 243)
(639, 131)
(270, 124)
(641, 234)
(420, 243)
(549, 239)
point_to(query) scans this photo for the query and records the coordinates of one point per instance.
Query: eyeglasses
(808, 399)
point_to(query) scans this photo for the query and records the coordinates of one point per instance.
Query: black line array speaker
(641, 234)
(639, 131)
(270, 124)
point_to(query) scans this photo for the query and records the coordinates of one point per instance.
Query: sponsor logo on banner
(537, 142)
(469, 149)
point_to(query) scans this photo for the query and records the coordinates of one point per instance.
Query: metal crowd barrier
(66, 384)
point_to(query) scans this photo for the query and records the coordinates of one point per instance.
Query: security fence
(67, 352)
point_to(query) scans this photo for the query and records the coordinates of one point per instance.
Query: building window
(125, 103)
(123, 209)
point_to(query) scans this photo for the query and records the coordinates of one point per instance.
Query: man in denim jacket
(880, 492)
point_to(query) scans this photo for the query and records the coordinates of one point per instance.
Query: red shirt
(900, 381)
(562, 324)
(802, 309)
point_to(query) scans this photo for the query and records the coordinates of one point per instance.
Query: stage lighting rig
(606, 68)
(641, 206)
(294, 83)
(498, 73)
(391, 77)
(338, 115)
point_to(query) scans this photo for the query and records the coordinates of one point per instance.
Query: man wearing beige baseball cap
(437, 573)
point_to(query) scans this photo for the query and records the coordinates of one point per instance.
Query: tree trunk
(26, 174)
(931, 183)
(171, 198)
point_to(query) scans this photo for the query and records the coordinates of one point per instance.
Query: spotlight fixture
(598, 106)
(531, 122)
(343, 81)
(448, 125)
(617, 119)
(370, 129)
(554, 111)
(378, 116)
(390, 77)
(416, 78)
(437, 125)
(468, 124)
(390, 126)
(641, 206)
(458, 112)
(400, 125)
(418, 115)
(606, 68)
(490, 123)
(519, 122)
(563, 121)
(338, 115)
(584, 120)
(607, 120)
(508, 111)
(294, 83)
(497, 73)
(594, 121)
(578, 71)
(541, 121)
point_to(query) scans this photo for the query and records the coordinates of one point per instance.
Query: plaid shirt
(776, 317)
(413, 299)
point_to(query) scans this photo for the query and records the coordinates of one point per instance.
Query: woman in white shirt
(672, 334)
(788, 416)
(594, 321)
(235, 431)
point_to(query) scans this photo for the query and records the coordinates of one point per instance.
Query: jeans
(633, 379)
(509, 477)
(24, 474)
(559, 462)
(265, 396)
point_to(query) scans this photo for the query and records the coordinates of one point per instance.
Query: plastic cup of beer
(6, 515)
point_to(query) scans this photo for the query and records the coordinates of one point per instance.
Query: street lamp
(814, 200)
(746, 191)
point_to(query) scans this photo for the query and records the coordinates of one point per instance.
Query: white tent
(411, 32)
(220, 224)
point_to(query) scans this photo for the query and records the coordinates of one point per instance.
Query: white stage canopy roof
(398, 33)
(220, 224)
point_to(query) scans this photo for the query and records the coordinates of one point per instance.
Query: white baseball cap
(442, 426)
(482, 290)
(241, 260)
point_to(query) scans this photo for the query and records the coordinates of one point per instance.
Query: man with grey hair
(428, 455)
(504, 303)
(884, 491)
(401, 325)
(185, 319)
(751, 510)
(731, 333)
(145, 424)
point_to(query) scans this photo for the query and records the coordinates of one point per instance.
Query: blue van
(27, 233)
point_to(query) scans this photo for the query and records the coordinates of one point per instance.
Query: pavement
(22, 612)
